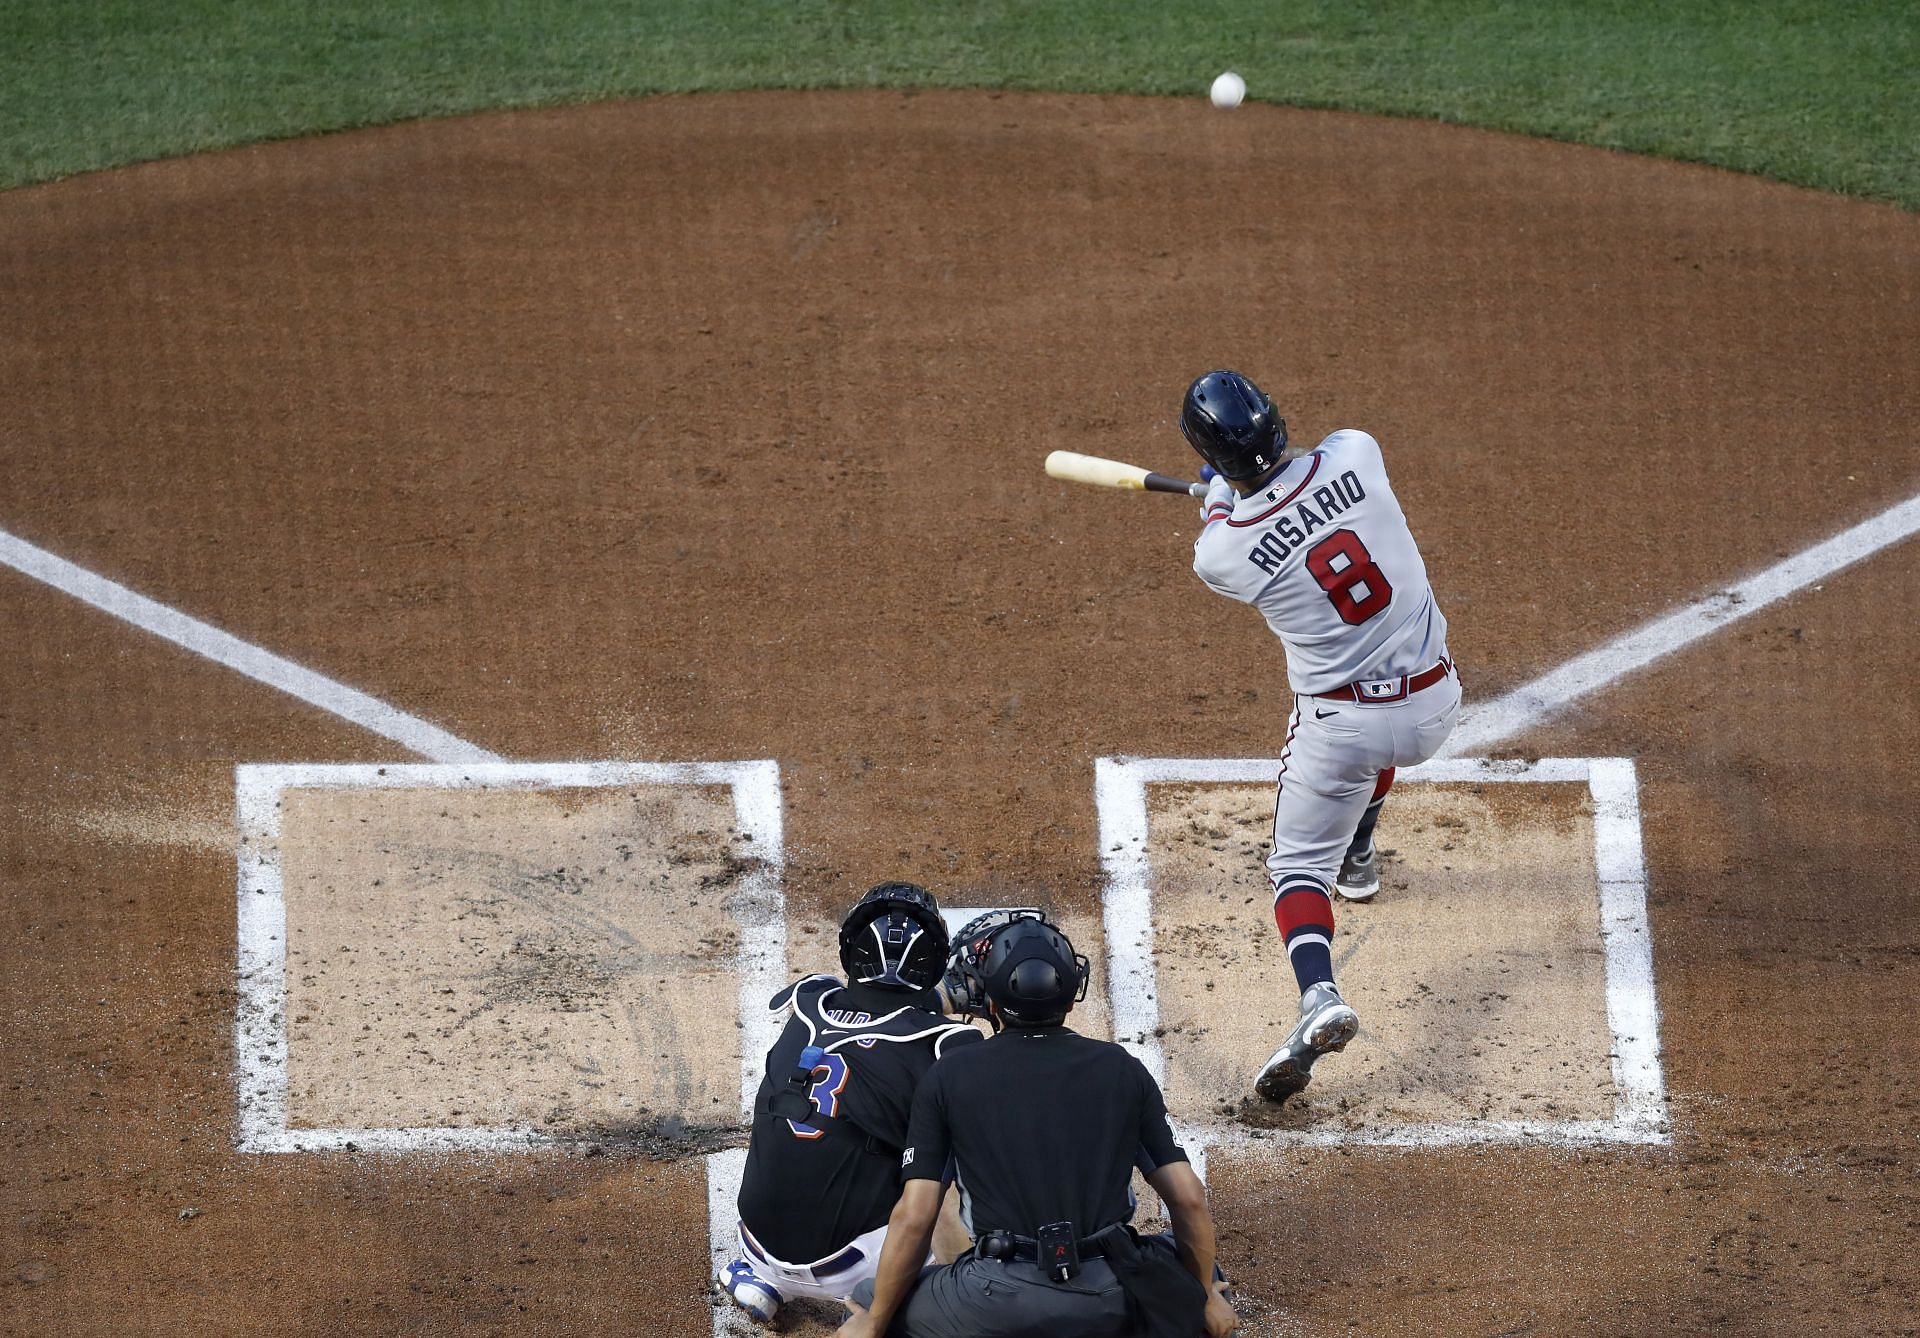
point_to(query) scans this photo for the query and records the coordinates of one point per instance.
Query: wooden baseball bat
(1077, 468)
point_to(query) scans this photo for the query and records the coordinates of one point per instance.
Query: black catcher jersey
(813, 1185)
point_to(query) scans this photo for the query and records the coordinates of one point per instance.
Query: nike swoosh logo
(1318, 714)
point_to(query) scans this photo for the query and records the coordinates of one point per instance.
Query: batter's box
(491, 955)
(1503, 975)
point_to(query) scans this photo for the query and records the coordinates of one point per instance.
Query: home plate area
(487, 956)
(459, 954)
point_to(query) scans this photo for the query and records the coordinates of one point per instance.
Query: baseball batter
(1318, 544)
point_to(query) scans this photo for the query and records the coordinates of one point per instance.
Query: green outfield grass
(1820, 93)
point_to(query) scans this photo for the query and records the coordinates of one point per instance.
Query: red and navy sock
(1304, 912)
(1363, 836)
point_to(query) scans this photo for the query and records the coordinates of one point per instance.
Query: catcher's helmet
(1019, 962)
(1232, 424)
(894, 936)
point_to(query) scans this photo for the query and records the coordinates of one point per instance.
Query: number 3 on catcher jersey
(829, 1080)
(1341, 565)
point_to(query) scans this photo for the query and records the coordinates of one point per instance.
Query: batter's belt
(1377, 691)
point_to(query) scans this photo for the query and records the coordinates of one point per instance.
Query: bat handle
(1167, 483)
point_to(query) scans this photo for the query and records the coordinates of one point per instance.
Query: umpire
(1042, 1129)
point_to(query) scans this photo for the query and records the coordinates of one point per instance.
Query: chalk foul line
(1551, 693)
(263, 666)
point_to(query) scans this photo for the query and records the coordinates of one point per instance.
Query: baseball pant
(1333, 758)
(829, 1279)
(1009, 1298)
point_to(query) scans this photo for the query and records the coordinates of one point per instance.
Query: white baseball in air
(1228, 89)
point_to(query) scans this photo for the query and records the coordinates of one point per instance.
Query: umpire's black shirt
(1042, 1125)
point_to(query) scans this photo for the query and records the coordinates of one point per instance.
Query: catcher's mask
(1015, 965)
(1232, 424)
(894, 937)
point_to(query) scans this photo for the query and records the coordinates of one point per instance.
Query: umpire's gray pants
(1008, 1298)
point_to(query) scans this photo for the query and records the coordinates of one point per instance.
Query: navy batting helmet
(1232, 424)
(1019, 962)
(894, 937)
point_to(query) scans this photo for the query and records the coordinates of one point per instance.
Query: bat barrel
(1077, 468)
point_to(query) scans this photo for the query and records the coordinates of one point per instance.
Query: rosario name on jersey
(1325, 554)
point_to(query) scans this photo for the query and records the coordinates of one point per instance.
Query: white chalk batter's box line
(260, 1024)
(1633, 1016)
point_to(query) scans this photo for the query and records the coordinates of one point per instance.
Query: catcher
(830, 1120)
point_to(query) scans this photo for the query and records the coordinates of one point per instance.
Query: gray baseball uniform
(1325, 555)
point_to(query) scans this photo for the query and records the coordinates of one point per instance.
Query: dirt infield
(709, 428)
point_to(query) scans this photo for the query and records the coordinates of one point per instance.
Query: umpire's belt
(1378, 690)
(1006, 1245)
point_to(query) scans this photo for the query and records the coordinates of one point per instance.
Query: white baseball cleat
(1359, 877)
(749, 1292)
(1326, 1025)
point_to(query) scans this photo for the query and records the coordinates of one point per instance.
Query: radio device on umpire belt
(1060, 1251)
